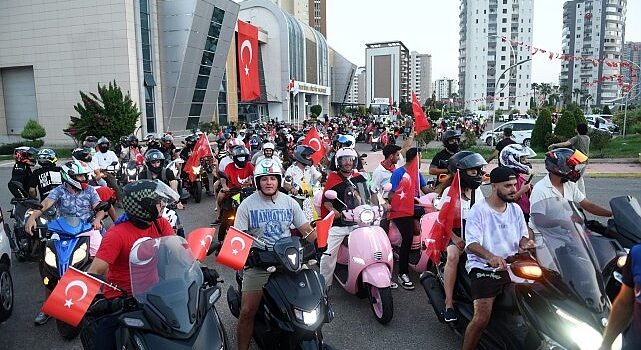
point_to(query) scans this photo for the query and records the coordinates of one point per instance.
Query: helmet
(70, 171)
(190, 141)
(467, 160)
(47, 157)
(123, 141)
(233, 143)
(140, 199)
(25, 155)
(102, 140)
(345, 141)
(82, 154)
(563, 162)
(153, 155)
(303, 154)
(103, 144)
(90, 141)
(132, 140)
(268, 145)
(344, 153)
(240, 155)
(511, 157)
(449, 135)
(267, 167)
(167, 138)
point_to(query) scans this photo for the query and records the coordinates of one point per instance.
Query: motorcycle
(69, 244)
(375, 138)
(557, 301)
(129, 173)
(165, 312)
(26, 247)
(365, 260)
(295, 305)
(195, 188)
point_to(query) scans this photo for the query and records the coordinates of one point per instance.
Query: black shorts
(487, 283)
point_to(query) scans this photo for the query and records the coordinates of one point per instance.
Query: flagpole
(97, 279)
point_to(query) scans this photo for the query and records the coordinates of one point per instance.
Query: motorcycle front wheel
(381, 303)
(66, 330)
(197, 191)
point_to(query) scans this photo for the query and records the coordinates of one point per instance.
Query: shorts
(487, 283)
(254, 279)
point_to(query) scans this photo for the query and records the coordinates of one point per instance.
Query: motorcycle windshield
(356, 193)
(166, 278)
(565, 249)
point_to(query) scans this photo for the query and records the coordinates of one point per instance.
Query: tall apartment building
(593, 28)
(421, 75)
(357, 87)
(444, 88)
(632, 53)
(387, 71)
(485, 77)
(311, 12)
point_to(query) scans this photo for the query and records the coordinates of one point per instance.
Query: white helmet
(268, 145)
(265, 167)
(345, 152)
(511, 157)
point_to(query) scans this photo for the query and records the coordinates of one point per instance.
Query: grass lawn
(619, 147)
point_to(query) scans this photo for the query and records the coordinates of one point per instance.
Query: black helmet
(450, 135)
(102, 140)
(82, 154)
(467, 160)
(190, 141)
(123, 141)
(240, 155)
(140, 199)
(103, 144)
(166, 138)
(47, 157)
(303, 154)
(563, 162)
(25, 155)
(132, 140)
(154, 155)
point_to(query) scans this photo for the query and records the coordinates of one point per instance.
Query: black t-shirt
(353, 194)
(440, 159)
(45, 180)
(21, 173)
(145, 173)
(632, 271)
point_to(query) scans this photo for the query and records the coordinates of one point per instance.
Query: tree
(33, 132)
(576, 93)
(542, 129)
(606, 110)
(316, 110)
(111, 114)
(566, 126)
(633, 120)
(406, 108)
(534, 86)
(598, 140)
(515, 111)
(499, 112)
(546, 89)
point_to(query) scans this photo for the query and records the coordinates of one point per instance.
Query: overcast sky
(431, 26)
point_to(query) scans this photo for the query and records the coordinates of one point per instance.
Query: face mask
(103, 149)
(452, 147)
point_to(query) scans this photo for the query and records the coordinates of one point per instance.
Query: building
(170, 56)
(492, 72)
(387, 72)
(593, 28)
(356, 89)
(311, 12)
(421, 75)
(297, 69)
(632, 53)
(444, 88)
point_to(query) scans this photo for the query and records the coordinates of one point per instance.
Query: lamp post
(503, 88)
(512, 54)
(627, 95)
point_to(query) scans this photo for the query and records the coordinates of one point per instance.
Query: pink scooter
(419, 255)
(365, 260)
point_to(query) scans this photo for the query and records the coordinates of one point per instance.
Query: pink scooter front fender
(368, 247)
(378, 275)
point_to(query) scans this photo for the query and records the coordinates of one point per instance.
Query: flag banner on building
(313, 140)
(201, 149)
(72, 296)
(235, 249)
(449, 218)
(199, 242)
(248, 62)
(419, 115)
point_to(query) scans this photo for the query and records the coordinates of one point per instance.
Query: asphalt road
(414, 325)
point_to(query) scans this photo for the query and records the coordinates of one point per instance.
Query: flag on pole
(201, 149)
(235, 249)
(322, 229)
(199, 241)
(313, 140)
(419, 115)
(449, 218)
(402, 202)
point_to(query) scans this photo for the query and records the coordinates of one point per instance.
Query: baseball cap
(502, 174)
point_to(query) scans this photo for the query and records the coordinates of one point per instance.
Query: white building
(444, 88)
(484, 58)
(356, 89)
(593, 28)
(387, 72)
(421, 75)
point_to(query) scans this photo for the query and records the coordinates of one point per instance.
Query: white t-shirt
(380, 177)
(103, 160)
(544, 190)
(465, 204)
(310, 174)
(224, 163)
(499, 233)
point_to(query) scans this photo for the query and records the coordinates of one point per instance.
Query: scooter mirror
(387, 187)
(114, 163)
(331, 194)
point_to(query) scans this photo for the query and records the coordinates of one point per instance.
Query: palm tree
(546, 89)
(588, 98)
(534, 86)
(454, 97)
(564, 93)
(575, 95)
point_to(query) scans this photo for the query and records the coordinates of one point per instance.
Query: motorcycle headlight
(131, 172)
(50, 258)
(582, 334)
(309, 318)
(196, 169)
(621, 260)
(80, 254)
(367, 216)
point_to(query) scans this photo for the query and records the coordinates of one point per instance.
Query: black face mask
(103, 149)
(472, 182)
(453, 147)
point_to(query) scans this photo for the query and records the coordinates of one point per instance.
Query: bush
(32, 131)
(606, 110)
(566, 126)
(8, 148)
(634, 129)
(598, 140)
(316, 110)
(550, 139)
(542, 128)
(425, 137)
(633, 120)
(469, 139)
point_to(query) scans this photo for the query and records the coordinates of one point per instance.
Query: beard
(509, 198)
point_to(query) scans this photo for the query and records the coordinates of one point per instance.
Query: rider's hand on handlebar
(97, 225)
(497, 262)
(30, 225)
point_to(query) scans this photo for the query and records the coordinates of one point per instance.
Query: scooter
(419, 255)
(130, 172)
(230, 203)
(295, 305)
(165, 312)
(69, 244)
(365, 260)
(557, 301)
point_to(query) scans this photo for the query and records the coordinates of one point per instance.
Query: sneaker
(405, 282)
(449, 315)
(41, 319)
(393, 285)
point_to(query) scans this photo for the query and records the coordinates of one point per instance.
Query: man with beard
(451, 141)
(495, 229)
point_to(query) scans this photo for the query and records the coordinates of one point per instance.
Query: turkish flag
(449, 218)
(72, 296)
(248, 62)
(313, 140)
(402, 202)
(235, 249)
(139, 158)
(199, 241)
(322, 229)
(419, 115)
(201, 149)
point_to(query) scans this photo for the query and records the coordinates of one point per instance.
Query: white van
(521, 132)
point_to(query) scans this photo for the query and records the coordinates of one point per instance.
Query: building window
(147, 67)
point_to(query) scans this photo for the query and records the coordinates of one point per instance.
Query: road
(414, 325)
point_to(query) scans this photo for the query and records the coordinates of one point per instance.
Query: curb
(619, 175)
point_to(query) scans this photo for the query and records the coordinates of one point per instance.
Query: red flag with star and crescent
(199, 242)
(235, 249)
(419, 115)
(201, 149)
(313, 140)
(248, 62)
(72, 296)
(449, 218)
(402, 202)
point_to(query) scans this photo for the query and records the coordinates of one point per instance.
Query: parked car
(521, 132)
(605, 122)
(6, 283)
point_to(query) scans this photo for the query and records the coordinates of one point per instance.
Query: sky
(432, 26)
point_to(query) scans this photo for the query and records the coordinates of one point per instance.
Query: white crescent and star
(401, 194)
(242, 245)
(312, 141)
(75, 283)
(133, 256)
(203, 242)
(240, 181)
(246, 44)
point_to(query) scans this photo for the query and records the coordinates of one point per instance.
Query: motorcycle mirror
(102, 206)
(387, 187)
(114, 163)
(331, 194)
(363, 156)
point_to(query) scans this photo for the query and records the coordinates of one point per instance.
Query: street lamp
(503, 88)
(627, 95)
(512, 54)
